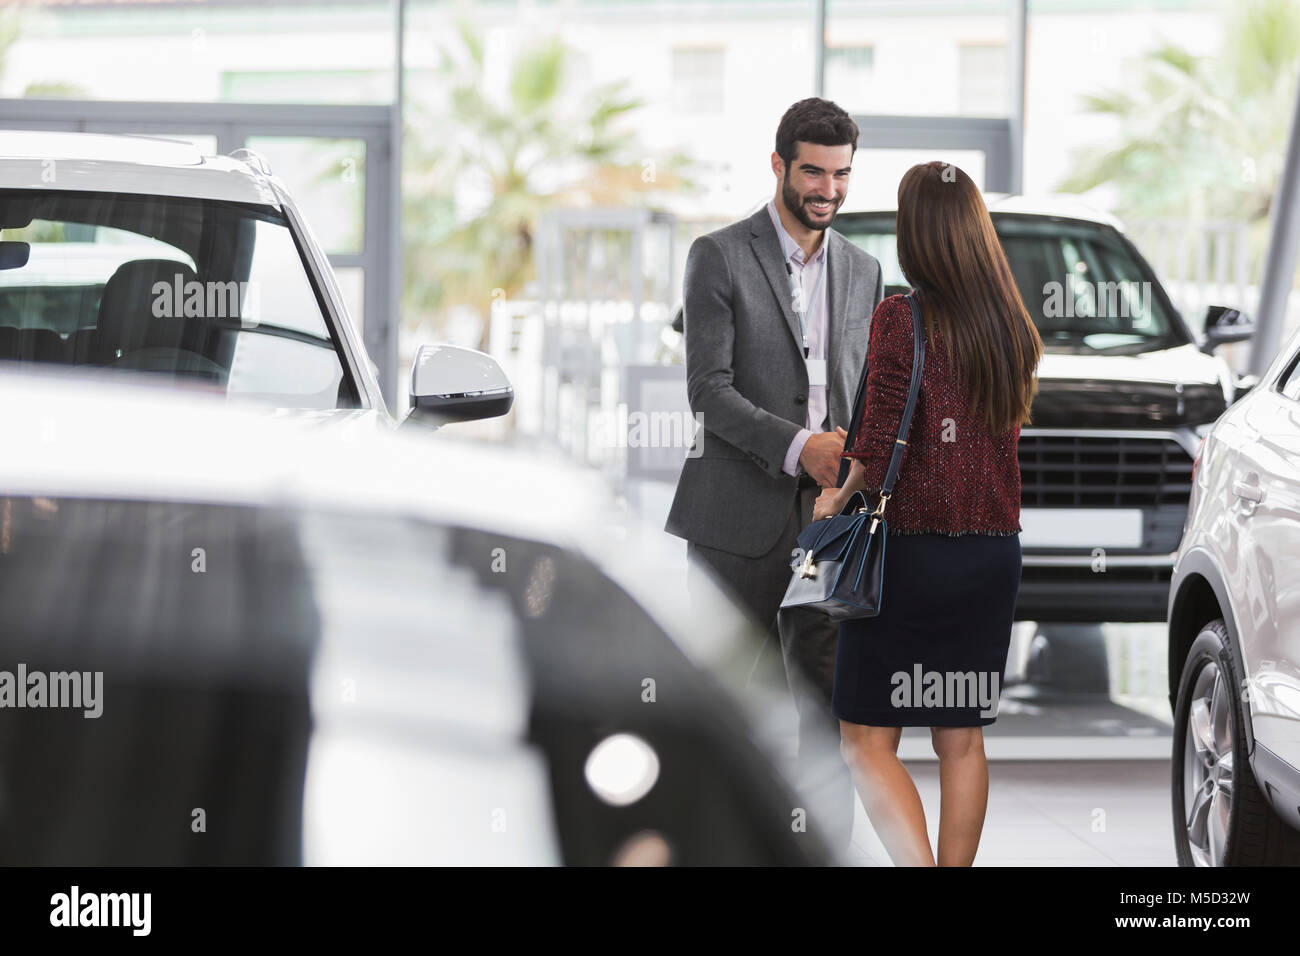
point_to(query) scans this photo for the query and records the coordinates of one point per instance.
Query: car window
(325, 687)
(1082, 285)
(884, 246)
(201, 292)
(1289, 383)
(335, 686)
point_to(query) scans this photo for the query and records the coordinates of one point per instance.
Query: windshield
(197, 291)
(1084, 286)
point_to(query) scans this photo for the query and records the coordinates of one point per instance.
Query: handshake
(821, 456)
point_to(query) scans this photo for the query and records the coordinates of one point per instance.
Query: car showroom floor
(1055, 813)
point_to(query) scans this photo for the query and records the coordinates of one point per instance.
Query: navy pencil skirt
(935, 654)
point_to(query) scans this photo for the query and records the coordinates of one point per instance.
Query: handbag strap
(914, 390)
(855, 424)
(860, 399)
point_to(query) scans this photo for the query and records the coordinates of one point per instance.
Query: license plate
(1080, 528)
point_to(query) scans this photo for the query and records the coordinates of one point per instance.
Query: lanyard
(797, 301)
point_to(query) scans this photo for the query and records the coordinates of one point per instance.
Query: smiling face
(814, 184)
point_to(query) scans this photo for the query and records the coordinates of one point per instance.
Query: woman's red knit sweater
(954, 478)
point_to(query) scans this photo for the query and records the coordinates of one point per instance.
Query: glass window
(202, 292)
(984, 79)
(849, 71)
(927, 59)
(1289, 384)
(313, 51)
(327, 178)
(698, 80)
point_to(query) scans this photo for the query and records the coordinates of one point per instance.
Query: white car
(1234, 635)
(350, 646)
(126, 253)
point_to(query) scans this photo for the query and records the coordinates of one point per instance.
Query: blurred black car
(332, 647)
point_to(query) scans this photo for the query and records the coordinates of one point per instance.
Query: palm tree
(1203, 136)
(479, 172)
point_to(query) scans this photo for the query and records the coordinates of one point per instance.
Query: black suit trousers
(807, 642)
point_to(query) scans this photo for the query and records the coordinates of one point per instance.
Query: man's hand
(821, 456)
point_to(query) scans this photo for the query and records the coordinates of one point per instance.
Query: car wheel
(1220, 815)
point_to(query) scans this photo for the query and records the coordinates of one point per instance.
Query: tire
(1232, 824)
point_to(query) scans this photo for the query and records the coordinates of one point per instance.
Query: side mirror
(454, 384)
(1242, 384)
(1224, 324)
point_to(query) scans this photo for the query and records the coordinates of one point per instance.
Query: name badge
(816, 372)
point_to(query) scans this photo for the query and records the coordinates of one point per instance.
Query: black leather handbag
(843, 569)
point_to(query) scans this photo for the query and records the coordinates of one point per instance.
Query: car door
(1264, 503)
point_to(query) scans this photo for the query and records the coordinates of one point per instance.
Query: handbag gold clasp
(878, 513)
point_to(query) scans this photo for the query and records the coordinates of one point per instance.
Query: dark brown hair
(950, 253)
(814, 120)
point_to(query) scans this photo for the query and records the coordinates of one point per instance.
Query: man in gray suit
(777, 309)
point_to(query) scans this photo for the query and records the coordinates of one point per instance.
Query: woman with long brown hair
(935, 654)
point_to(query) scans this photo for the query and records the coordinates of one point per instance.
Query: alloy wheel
(1208, 767)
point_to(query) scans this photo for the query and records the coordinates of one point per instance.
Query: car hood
(1166, 388)
(361, 420)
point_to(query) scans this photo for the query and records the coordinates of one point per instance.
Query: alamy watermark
(947, 689)
(128, 910)
(1077, 297)
(624, 429)
(82, 690)
(192, 299)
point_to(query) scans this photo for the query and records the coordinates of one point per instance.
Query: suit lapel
(767, 247)
(840, 278)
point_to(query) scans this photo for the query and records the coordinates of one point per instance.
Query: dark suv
(1125, 394)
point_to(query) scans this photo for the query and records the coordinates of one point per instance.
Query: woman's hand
(830, 502)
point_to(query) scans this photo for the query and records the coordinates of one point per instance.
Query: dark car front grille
(1086, 471)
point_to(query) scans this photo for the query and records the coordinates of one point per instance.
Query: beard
(795, 203)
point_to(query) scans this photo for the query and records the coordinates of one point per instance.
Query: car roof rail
(253, 158)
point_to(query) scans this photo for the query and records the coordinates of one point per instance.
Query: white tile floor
(1055, 813)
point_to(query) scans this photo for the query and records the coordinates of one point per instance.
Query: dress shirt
(812, 279)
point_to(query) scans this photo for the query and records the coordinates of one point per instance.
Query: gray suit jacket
(747, 382)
